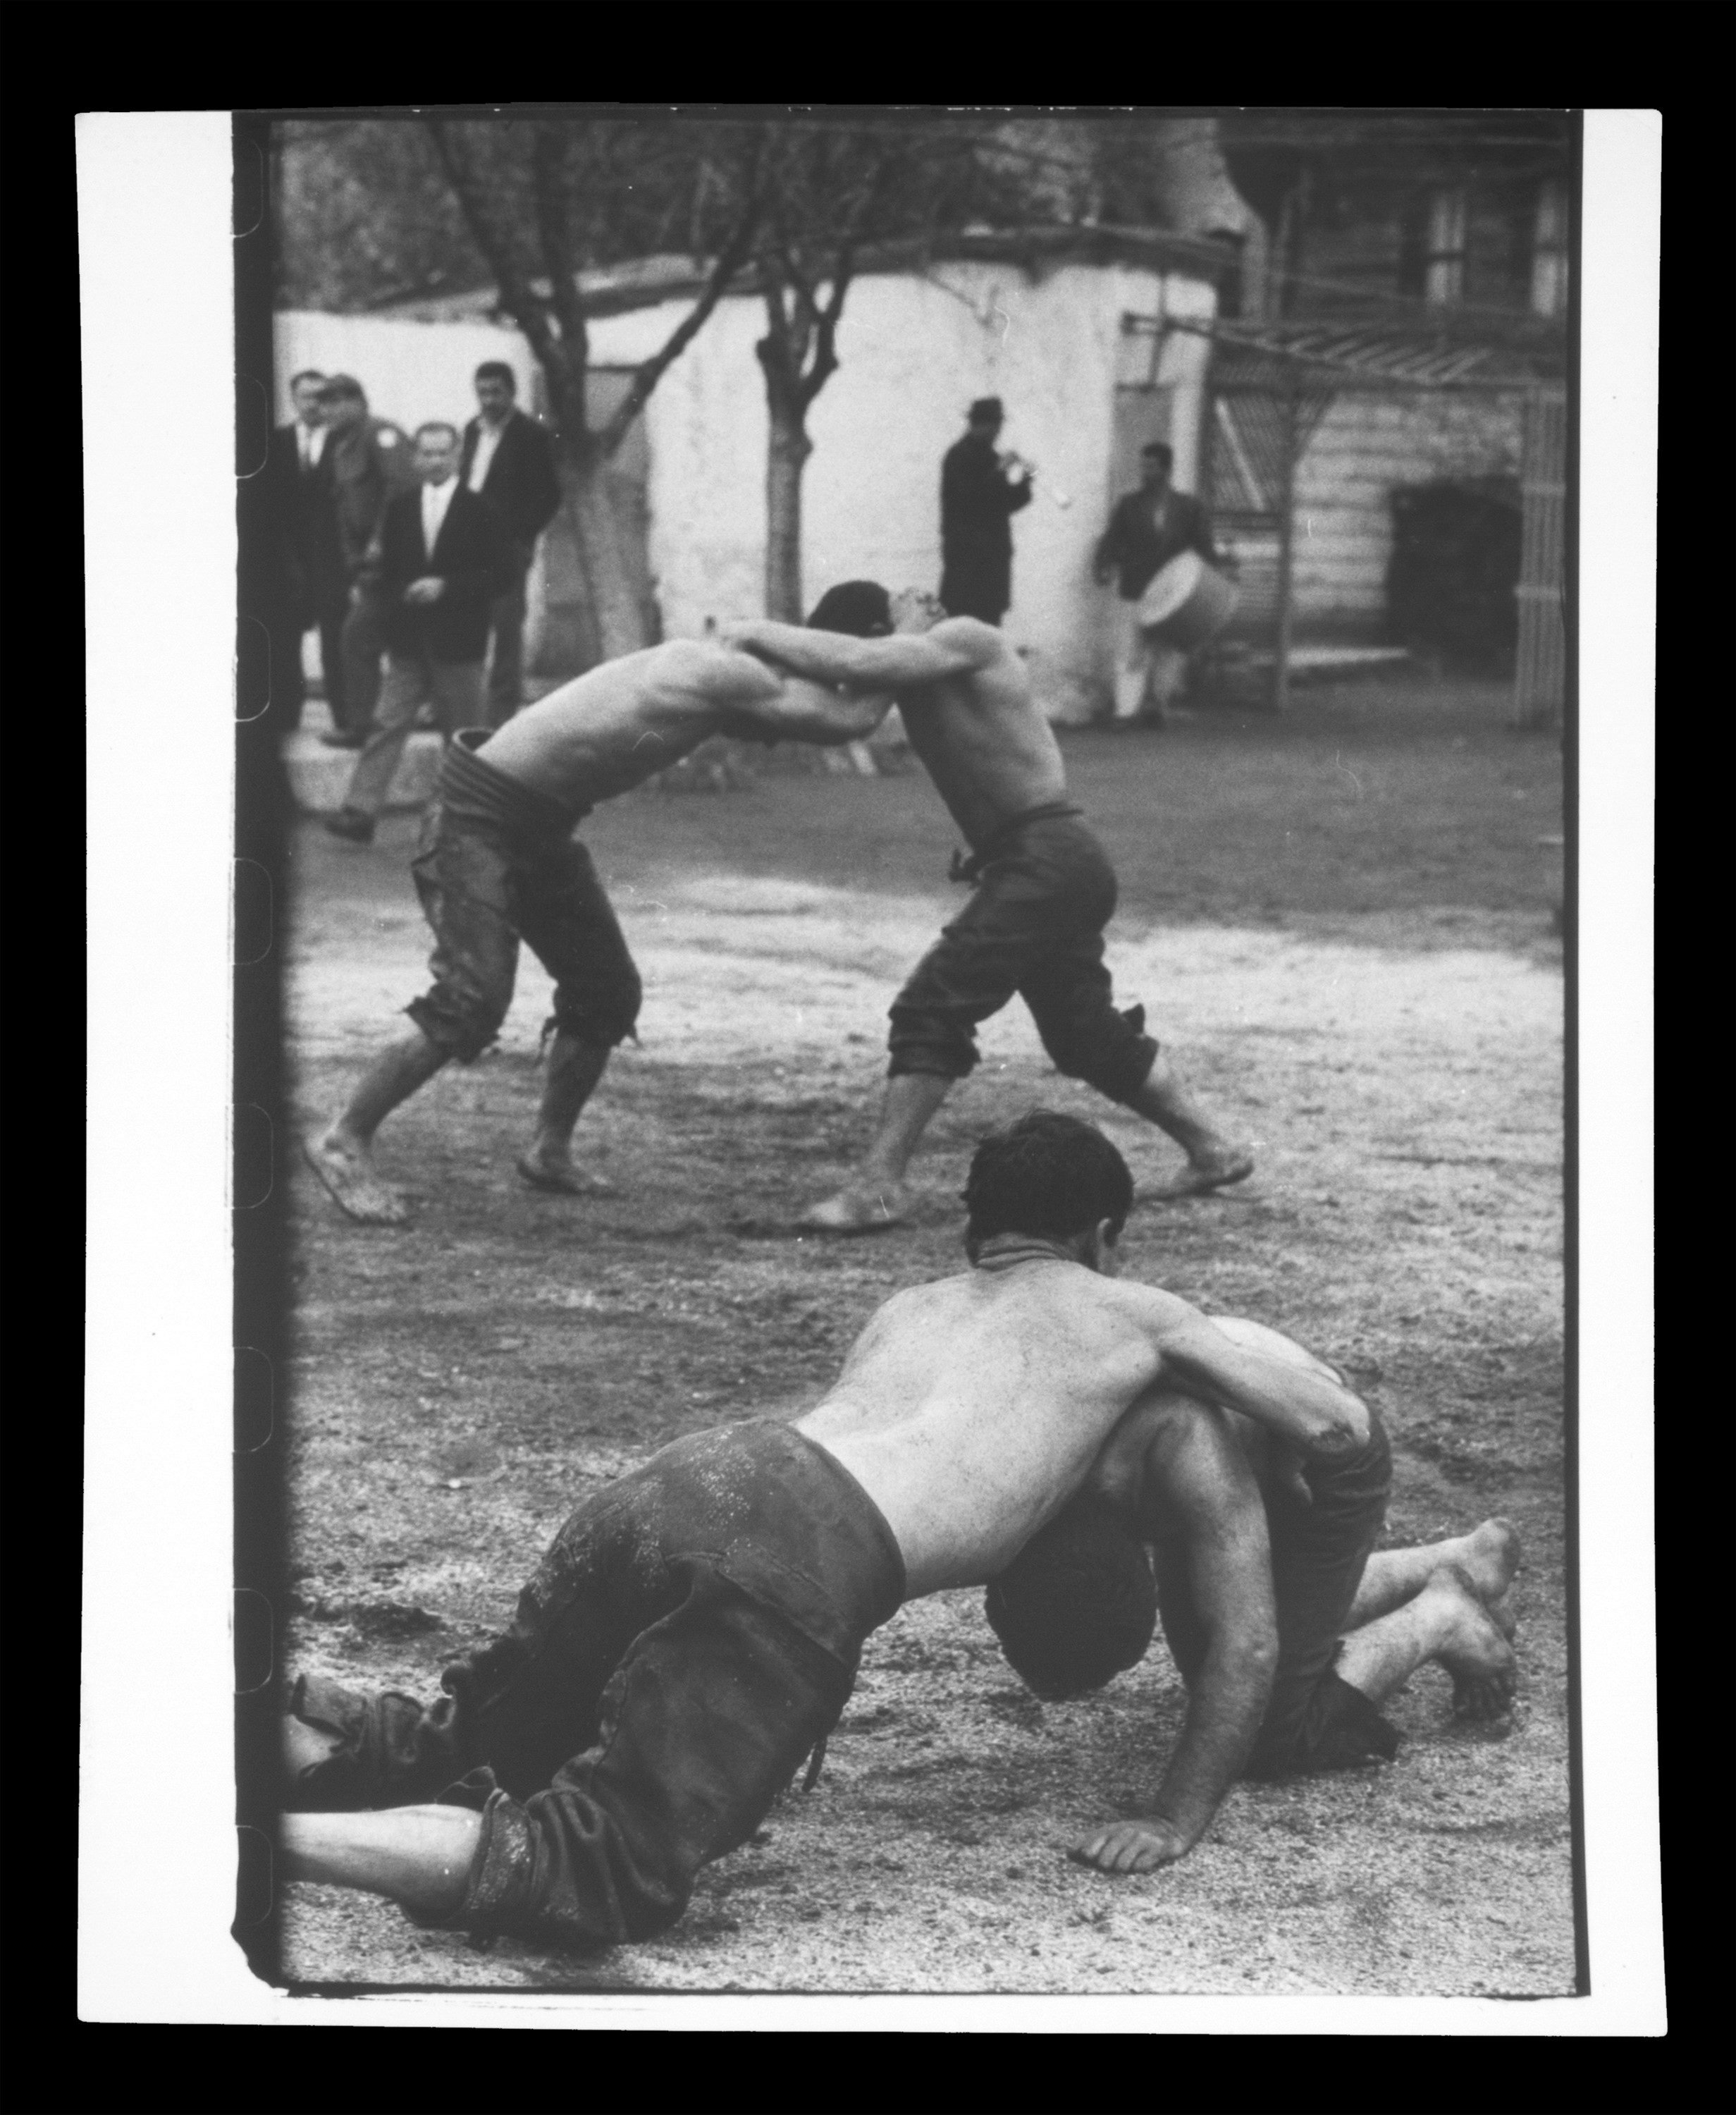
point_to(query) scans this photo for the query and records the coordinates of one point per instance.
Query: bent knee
(600, 1018)
(461, 1025)
(930, 1042)
(1106, 1051)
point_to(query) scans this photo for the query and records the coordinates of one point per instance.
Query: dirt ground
(1341, 922)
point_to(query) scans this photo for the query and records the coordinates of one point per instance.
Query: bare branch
(826, 344)
(526, 307)
(729, 261)
(551, 147)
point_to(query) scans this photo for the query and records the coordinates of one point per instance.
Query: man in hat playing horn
(981, 490)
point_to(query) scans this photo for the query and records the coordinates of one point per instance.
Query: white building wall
(913, 352)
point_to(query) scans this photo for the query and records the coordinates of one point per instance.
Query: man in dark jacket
(291, 492)
(1147, 529)
(364, 464)
(980, 491)
(443, 556)
(508, 461)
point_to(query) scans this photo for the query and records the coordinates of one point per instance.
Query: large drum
(1187, 603)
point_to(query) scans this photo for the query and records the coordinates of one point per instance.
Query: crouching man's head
(865, 610)
(1051, 1178)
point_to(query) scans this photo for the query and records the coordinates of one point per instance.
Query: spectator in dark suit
(365, 462)
(507, 460)
(980, 492)
(443, 556)
(291, 495)
(1147, 529)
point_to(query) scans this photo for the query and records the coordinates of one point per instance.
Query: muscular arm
(1205, 1504)
(1317, 1415)
(802, 711)
(763, 704)
(833, 657)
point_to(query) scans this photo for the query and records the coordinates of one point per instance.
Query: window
(1444, 251)
(1549, 252)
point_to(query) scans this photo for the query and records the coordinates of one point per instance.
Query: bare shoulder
(1149, 1305)
(1257, 1337)
(717, 673)
(970, 638)
(1171, 1453)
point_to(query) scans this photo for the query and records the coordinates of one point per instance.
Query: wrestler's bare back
(631, 718)
(970, 1409)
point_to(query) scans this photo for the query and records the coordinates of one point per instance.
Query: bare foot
(1478, 1657)
(860, 1207)
(346, 1169)
(1489, 1557)
(547, 1171)
(1210, 1172)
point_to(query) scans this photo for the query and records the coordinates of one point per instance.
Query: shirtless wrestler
(1043, 890)
(694, 1631)
(497, 863)
(1289, 1629)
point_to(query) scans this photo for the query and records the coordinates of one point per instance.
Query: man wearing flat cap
(981, 490)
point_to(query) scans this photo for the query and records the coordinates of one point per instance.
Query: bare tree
(537, 198)
(832, 192)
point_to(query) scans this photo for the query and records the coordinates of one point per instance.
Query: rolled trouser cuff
(462, 1035)
(1342, 1730)
(501, 1883)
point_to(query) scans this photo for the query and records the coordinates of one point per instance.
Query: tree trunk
(602, 558)
(785, 457)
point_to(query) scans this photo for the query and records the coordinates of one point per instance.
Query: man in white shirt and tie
(443, 555)
(509, 462)
(309, 428)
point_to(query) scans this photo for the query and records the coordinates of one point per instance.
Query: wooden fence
(1540, 682)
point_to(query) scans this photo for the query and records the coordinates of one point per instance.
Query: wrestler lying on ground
(497, 863)
(695, 1630)
(1287, 1630)
(1044, 891)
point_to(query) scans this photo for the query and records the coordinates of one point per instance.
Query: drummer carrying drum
(1150, 530)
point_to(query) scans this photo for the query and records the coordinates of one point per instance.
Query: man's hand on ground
(1133, 1847)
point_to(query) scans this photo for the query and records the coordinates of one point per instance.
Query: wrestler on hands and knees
(499, 864)
(1288, 1628)
(1044, 890)
(694, 1632)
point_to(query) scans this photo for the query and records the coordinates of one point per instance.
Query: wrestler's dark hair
(859, 607)
(1047, 1175)
(1162, 451)
(498, 370)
